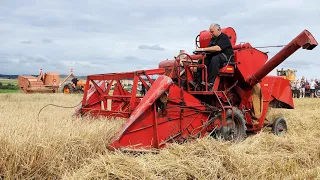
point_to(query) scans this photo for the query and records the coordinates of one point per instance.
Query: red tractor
(172, 111)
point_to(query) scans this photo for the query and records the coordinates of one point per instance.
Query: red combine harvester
(172, 111)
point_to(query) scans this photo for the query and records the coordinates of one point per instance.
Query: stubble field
(59, 146)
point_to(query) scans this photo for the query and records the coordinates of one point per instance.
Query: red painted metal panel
(278, 88)
(142, 130)
(249, 61)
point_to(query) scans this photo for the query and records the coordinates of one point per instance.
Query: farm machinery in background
(73, 86)
(44, 83)
(50, 83)
(174, 111)
(289, 74)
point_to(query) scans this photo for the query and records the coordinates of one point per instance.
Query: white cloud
(100, 37)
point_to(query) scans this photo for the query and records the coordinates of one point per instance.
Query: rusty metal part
(44, 83)
(257, 101)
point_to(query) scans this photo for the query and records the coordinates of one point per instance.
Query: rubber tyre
(317, 93)
(68, 89)
(279, 126)
(239, 128)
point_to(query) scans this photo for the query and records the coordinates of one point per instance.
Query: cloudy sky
(120, 35)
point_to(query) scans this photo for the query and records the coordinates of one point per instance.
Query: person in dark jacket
(303, 87)
(143, 90)
(220, 52)
(75, 81)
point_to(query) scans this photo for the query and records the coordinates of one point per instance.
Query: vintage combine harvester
(173, 111)
(44, 83)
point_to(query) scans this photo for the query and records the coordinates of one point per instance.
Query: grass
(9, 81)
(59, 146)
(13, 82)
(9, 91)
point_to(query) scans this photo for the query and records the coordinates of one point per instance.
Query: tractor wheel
(317, 93)
(68, 89)
(279, 126)
(237, 131)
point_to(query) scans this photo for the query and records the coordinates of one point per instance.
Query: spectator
(303, 87)
(293, 88)
(312, 87)
(143, 90)
(298, 88)
(307, 82)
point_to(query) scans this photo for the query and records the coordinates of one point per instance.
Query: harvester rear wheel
(68, 89)
(279, 126)
(237, 131)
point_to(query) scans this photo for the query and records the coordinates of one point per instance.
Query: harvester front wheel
(279, 126)
(68, 89)
(235, 130)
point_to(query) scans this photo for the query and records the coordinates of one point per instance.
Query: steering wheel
(188, 57)
(202, 52)
(198, 41)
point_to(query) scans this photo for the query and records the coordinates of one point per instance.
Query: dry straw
(59, 146)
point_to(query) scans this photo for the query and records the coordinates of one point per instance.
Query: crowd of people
(302, 86)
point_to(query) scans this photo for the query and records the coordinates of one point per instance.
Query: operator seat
(229, 67)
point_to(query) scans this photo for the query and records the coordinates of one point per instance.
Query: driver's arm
(210, 49)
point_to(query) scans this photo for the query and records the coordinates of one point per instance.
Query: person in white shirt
(312, 87)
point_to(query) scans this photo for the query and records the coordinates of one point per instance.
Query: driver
(75, 81)
(220, 52)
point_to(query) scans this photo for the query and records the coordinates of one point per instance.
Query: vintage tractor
(44, 83)
(173, 111)
(74, 86)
